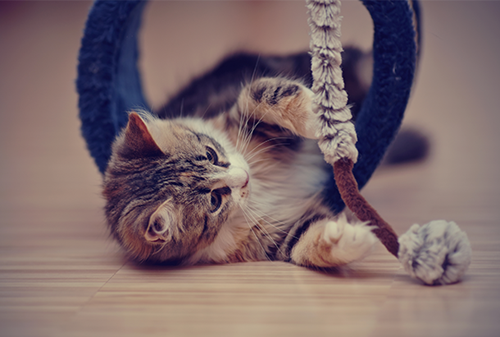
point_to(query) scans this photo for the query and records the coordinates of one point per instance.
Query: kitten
(243, 185)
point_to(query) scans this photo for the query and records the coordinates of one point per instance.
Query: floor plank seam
(75, 314)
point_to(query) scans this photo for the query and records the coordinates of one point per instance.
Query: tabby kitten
(244, 185)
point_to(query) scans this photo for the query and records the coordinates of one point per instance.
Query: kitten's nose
(237, 178)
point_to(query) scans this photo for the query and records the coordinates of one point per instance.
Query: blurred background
(52, 233)
(455, 98)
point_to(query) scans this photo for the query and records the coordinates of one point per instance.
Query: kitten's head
(170, 186)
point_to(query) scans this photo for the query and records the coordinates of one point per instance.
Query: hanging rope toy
(437, 252)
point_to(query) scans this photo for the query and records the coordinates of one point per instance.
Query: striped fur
(244, 185)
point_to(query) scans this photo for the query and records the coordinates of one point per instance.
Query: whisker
(262, 216)
(243, 123)
(240, 129)
(182, 108)
(246, 114)
(256, 123)
(256, 238)
(160, 248)
(255, 69)
(256, 161)
(206, 110)
(265, 232)
(248, 135)
(254, 152)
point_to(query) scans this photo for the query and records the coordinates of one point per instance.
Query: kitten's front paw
(349, 242)
(283, 102)
(274, 92)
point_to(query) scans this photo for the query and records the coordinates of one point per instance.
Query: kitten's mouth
(153, 237)
(246, 181)
(157, 241)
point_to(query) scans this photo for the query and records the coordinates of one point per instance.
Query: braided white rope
(337, 136)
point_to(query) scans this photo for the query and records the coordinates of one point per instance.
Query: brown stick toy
(349, 192)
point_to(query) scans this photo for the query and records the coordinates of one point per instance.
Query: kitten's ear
(162, 223)
(138, 140)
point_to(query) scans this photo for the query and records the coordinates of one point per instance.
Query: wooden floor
(60, 275)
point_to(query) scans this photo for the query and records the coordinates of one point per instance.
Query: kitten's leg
(280, 102)
(332, 243)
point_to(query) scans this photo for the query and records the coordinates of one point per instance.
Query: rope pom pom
(435, 253)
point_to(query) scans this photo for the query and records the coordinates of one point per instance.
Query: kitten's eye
(215, 201)
(212, 155)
